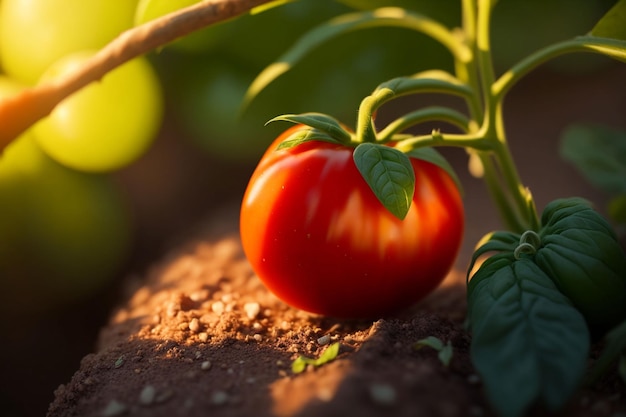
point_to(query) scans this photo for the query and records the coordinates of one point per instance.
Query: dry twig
(19, 112)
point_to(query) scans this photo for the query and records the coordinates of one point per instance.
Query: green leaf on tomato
(389, 174)
(306, 135)
(529, 343)
(319, 121)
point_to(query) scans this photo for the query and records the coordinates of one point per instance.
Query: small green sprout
(445, 352)
(329, 354)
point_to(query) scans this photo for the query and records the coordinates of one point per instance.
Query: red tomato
(319, 239)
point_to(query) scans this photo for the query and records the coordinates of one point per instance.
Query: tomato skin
(319, 239)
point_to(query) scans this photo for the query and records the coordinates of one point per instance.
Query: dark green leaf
(614, 348)
(599, 153)
(612, 25)
(434, 157)
(389, 174)
(341, 25)
(581, 254)
(319, 121)
(494, 242)
(528, 342)
(306, 135)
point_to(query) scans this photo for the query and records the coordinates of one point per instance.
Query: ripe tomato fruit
(319, 239)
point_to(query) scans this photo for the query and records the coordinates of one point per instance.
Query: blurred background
(69, 239)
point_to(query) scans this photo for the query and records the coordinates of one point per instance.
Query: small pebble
(218, 307)
(199, 295)
(114, 408)
(147, 395)
(324, 340)
(257, 337)
(382, 394)
(205, 366)
(219, 398)
(203, 336)
(473, 379)
(252, 310)
(194, 325)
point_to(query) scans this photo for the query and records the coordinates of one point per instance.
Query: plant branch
(19, 112)
(431, 113)
(468, 141)
(612, 48)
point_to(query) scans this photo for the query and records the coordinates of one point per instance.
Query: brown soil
(201, 335)
(186, 338)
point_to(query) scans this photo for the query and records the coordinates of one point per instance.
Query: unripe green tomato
(63, 234)
(107, 124)
(36, 33)
(206, 93)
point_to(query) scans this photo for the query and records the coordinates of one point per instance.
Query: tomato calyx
(385, 166)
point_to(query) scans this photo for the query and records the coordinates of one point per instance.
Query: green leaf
(329, 354)
(494, 242)
(614, 349)
(581, 254)
(430, 341)
(529, 343)
(444, 352)
(612, 24)
(306, 135)
(384, 17)
(599, 153)
(431, 155)
(389, 174)
(319, 121)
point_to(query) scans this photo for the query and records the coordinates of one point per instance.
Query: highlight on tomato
(346, 229)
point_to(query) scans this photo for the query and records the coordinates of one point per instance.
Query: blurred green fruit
(36, 33)
(63, 234)
(106, 125)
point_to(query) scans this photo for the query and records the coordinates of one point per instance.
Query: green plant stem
(514, 205)
(590, 44)
(472, 141)
(427, 114)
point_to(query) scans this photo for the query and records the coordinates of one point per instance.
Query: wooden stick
(19, 112)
